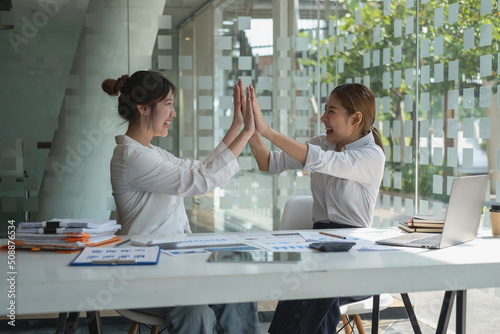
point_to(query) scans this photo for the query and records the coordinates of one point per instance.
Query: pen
(332, 235)
(122, 243)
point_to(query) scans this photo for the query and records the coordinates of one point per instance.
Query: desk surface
(46, 283)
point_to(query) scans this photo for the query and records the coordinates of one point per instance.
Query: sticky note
(376, 33)
(396, 128)
(376, 57)
(485, 127)
(408, 129)
(341, 44)
(468, 98)
(438, 17)
(284, 63)
(397, 79)
(409, 77)
(424, 156)
(386, 202)
(453, 99)
(425, 47)
(438, 72)
(224, 62)
(284, 102)
(437, 157)
(438, 45)
(397, 53)
(366, 81)
(409, 25)
(284, 83)
(468, 158)
(264, 102)
(386, 80)
(398, 28)
(409, 208)
(225, 43)
(437, 184)
(410, 4)
(425, 73)
(468, 38)
(485, 97)
(396, 204)
(244, 63)
(386, 104)
(485, 35)
(205, 103)
(423, 207)
(164, 42)
(164, 62)
(453, 70)
(244, 22)
(302, 103)
(386, 56)
(452, 128)
(205, 82)
(205, 122)
(366, 59)
(486, 7)
(349, 41)
(396, 153)
(302, 44)
(398, 180)
(408, 151)
(264, 83)
(225, 122)
(387, 179)
(452, 157)
(164, 22)
(424, 128)
(425, 101)
(485, 65)
(283, 43)
(468, 127)
(453, 13)
(408, 103)
(341, 65)
(185, 62)
(438, 128)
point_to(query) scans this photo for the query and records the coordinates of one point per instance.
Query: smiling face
(341, 127)
(163, 115)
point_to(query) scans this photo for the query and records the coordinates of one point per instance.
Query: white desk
(46, 283)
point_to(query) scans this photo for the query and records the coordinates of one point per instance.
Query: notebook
(462, 217)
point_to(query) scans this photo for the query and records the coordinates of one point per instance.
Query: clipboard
(105, 256)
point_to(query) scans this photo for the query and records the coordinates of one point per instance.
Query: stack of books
(66, 234)
(423, 223)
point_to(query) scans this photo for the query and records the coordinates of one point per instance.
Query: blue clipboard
(110, 256)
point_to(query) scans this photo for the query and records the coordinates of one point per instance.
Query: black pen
(122, 243)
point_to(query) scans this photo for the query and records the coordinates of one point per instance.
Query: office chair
(297, 215)
(152, 321)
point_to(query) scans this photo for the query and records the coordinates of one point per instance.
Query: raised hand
(260, 124)
(239, 102)
(249, 115)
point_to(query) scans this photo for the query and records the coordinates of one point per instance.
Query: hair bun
(121, 81)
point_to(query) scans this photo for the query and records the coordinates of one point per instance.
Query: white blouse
(149, 184)
(344, 184)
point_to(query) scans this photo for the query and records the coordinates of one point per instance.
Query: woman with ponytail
(347, 166)
(149, 184)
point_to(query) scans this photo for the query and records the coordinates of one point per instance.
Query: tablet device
(258, 256)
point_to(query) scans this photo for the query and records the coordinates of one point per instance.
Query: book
(426, 221)
(404, 226)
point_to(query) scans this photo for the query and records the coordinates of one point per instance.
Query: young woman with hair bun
(149, 184)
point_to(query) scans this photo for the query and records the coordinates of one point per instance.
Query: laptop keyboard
(433, 241)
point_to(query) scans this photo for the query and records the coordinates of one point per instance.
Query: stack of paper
(66, 234)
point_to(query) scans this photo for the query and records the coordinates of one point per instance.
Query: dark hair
(357, 97)
(142, 88)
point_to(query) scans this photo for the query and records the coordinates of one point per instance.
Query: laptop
(461, 221)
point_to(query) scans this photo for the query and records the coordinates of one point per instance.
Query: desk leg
(411, 313)
(61, 323)
(375, 313)
(461, 311)
(94, 322)
(71, 322)
(444, 316)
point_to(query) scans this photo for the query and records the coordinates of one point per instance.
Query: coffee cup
(495, 219)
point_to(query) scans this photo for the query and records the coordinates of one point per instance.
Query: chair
(297, 215)
(138, 318)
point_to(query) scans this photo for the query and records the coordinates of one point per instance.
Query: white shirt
(149, 184)
(344, 184)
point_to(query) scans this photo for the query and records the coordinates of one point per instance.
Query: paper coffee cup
(495, 220)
